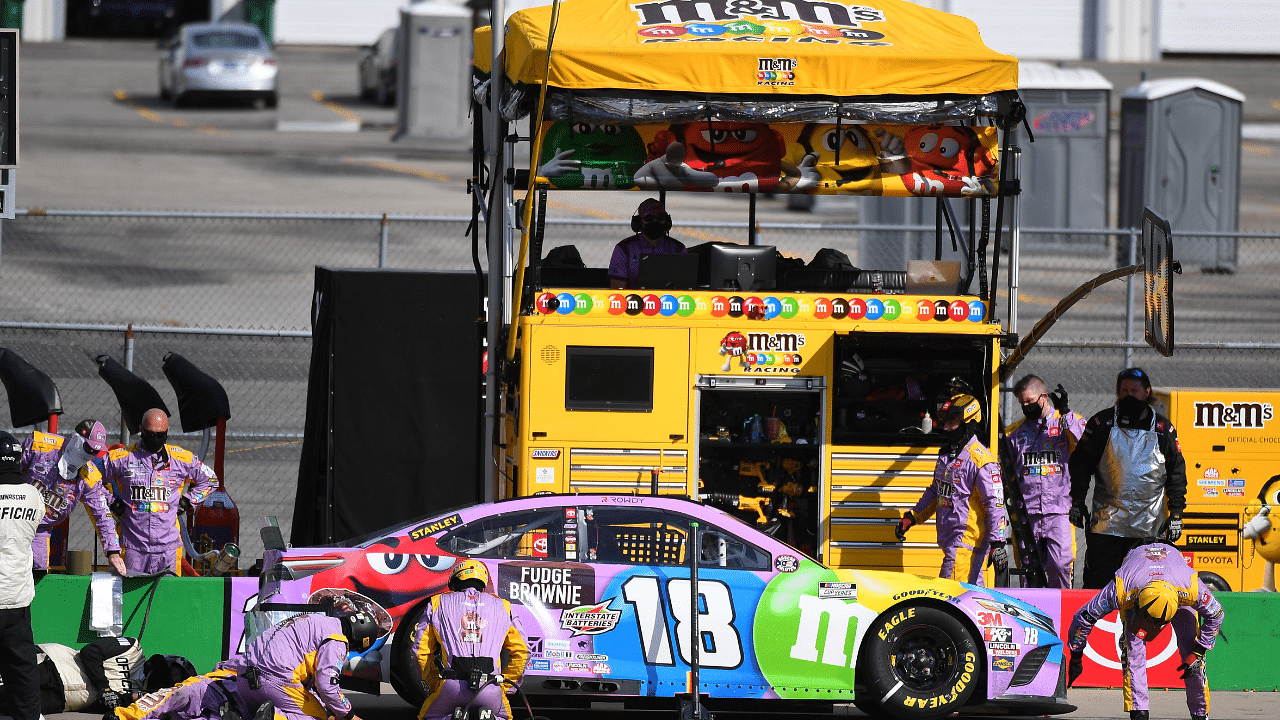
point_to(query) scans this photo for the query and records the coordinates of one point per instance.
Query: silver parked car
(377, 70)
(226, 59)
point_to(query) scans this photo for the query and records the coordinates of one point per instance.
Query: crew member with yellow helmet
(967, 495)
(460, 640)
(1153, 588)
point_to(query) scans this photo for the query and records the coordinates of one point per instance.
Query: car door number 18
(721, 643)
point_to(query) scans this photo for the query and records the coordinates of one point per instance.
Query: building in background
(1109, 30)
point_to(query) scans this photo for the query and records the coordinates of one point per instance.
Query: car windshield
(225, 40)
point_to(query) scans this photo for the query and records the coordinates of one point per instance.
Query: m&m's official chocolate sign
(877, 309)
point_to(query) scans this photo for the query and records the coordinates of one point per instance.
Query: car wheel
(1214, 581)
(920, 663)
(272, 101)
(406, 677)
(381, 95)
(164, 93)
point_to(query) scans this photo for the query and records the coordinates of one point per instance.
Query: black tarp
(393, 401)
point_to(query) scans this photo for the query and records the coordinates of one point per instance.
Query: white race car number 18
(721, 644)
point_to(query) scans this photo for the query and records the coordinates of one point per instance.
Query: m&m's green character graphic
(580, 155)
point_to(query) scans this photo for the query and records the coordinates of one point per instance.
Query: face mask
(957, 436)
(1033, 411)
(653, 230)
(153, 441)
(1130, 409)
(73, 458)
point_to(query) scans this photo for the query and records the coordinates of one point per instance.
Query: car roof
(196, 27)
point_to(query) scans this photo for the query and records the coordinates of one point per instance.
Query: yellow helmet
(469, 570)
(963, 406)
(1158, 600)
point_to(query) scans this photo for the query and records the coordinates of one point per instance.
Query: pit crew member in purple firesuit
(21, 510)
(967, 495)
(1134, 452)
(469, 628)
(148, 484)
(1039, 446)
(1153, 588)
(55, 466)
(290, 670)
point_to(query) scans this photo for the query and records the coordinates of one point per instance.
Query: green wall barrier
(1243, 658)
(187, 615)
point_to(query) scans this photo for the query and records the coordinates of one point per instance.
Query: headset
(637, 223)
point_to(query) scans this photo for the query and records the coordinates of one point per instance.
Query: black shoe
(1199, 717)
(1139, 715)
(228, 711)
(110, 714)
(266, 711)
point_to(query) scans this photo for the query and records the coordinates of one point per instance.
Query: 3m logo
(1233, 415)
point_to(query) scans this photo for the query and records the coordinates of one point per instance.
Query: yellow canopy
(764, 47)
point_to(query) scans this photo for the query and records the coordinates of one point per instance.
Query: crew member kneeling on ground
(1153, 588)
(291, 671)
(461, 638)
(967, 495)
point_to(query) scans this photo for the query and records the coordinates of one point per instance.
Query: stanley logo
(1206, 539)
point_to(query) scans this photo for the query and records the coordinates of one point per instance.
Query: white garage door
(1031, 29)
(1222, 26)
(334, 22)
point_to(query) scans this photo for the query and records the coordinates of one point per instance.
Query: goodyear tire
(406, 678)
(919, 663)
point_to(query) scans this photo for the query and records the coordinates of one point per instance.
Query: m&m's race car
(601, 586)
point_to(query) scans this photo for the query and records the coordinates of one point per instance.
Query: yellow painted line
(1255, 149)
(403, 169)
(337, 109)
(1275, 104)
(264, 447)
(580, 210)
(149, 114)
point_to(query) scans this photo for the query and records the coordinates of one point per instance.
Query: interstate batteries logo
(590, 619)
(757, 21)
(873, 309)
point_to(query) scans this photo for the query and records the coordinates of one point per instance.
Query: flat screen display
(609, 378)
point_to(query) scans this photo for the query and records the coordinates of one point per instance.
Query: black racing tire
(1214, 581)
(406, 677)
(919, 663)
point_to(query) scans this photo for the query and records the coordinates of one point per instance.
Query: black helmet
(162, 671)
(10, 453)
(361, 630)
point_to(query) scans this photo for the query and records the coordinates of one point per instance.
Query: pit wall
(202, 620)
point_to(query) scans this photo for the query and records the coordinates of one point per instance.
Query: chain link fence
(232, 293)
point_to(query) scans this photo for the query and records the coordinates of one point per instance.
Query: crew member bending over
(1153, 588)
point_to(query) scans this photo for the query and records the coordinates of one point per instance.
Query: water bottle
(226, 559)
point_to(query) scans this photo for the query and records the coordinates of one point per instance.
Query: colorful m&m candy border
(882, 308)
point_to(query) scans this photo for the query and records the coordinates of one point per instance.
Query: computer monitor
(667, 271)
(742, 267)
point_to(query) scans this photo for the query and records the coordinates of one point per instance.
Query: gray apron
(1128, 499)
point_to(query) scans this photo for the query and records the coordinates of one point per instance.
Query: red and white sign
(1102, 654)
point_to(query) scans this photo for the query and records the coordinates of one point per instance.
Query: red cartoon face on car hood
(394, 572)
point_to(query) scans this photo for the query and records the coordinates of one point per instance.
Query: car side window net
(649, 536)
(532, 534)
